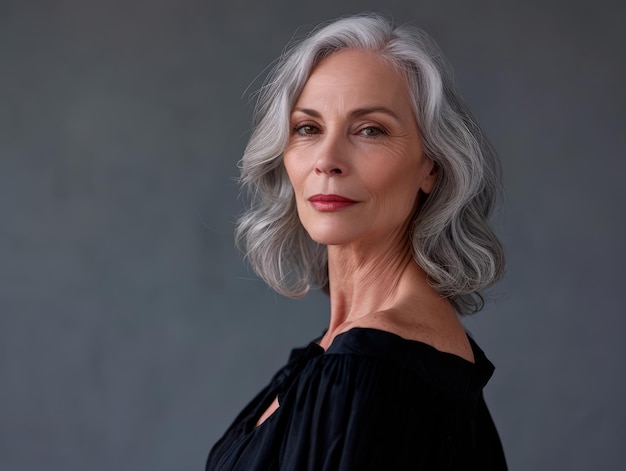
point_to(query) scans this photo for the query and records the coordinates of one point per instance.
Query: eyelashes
(305, 129)
(370, 131)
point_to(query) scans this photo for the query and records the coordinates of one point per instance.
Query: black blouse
(372, 401)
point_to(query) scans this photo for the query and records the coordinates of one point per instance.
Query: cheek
(291, 171)
(396, 194)
(397, 184)
(297, 179)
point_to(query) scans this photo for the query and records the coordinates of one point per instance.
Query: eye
(372, 131)
(306, 129)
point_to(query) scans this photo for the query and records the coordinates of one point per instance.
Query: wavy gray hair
(451, 237)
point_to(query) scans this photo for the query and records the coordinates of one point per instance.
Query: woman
(370, 179)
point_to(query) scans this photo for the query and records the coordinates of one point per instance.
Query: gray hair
(451, 238)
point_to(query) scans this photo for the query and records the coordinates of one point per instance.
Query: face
(355, 157)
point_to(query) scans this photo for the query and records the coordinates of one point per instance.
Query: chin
(329, 237)
(328, 240)
(333, 236)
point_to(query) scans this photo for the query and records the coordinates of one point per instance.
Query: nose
(332, 156)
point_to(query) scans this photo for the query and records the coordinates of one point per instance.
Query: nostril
(330, 171)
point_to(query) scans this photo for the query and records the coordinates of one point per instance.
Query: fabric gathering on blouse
(372, 401)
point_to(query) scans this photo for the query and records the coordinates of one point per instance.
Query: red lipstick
(329, 203)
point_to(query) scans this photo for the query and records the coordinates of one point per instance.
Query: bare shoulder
(441, 331)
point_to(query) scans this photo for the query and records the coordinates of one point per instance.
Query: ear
(428, 182)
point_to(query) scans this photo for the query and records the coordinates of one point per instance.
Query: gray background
(131, 332)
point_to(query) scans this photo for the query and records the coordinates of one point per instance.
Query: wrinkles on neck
(368, 277)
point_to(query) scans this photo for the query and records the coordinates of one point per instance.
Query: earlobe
(428, 183)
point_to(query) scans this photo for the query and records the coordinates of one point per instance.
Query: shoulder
(368, 372)
(364, 356)
(442, 331)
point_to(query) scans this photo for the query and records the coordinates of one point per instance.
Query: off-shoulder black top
(372, 401)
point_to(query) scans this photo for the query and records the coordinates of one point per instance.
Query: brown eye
(371, 131)
(306, 129)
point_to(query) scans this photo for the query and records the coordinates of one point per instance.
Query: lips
(329, 203)
(330, 199)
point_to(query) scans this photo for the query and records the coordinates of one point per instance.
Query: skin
(354, 134)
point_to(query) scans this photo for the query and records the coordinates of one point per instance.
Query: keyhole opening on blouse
(268, 412)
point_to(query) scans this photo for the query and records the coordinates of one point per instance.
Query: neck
(369, 279)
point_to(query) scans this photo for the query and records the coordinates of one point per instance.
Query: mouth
(330, 199)
(329, 203)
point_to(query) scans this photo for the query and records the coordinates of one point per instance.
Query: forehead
(356, 75)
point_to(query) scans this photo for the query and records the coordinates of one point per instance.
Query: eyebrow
(355, 113)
